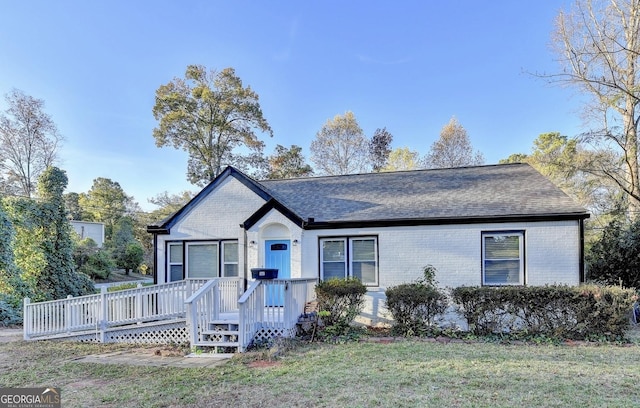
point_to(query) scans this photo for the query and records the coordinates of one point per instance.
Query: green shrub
(339, 302)
(613, 259)
(125, 286)
(9, 313)
(582, 312)
(98, 265)
(414, 306)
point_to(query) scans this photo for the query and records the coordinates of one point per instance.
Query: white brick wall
(218, 216)
(551, 255)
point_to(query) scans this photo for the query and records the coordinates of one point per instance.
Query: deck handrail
(107, 309)
(260, 305)
(219, 295)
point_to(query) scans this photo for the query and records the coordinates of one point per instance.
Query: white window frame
(520, 259)
(348, 259)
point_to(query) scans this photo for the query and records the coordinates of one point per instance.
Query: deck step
(218, 344)
(224, 325)
(222, 332)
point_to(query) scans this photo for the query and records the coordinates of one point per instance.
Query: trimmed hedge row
(582, 312)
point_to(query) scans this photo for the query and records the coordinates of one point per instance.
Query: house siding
(86, 229)
(255, 253)
(552, 255)
(217, 217)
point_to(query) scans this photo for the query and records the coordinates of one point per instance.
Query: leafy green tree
(562, 160)
(340, 147)
(92, 261)
(615, 258)
(402, 158)
(133, 257)
(212, 117)
(453, 148)
(598, 45)
(72, 204)
(288, 163)
(169, 203)
(515, 158)
(123, 236)
(105, 202)
(12, 287)
(29, 142)
(43, 245)
(380, 148)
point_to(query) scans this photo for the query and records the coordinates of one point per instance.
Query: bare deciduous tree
(598, 44)
(28, 143)
(453, 148)
(340, 147)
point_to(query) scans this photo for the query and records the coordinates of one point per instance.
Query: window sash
(352, 257)
(202, 260)
(333, 258)
(502, 258)
(230, 258)
(175, 262)
(364, 259)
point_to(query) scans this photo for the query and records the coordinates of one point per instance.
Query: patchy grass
(405, 373)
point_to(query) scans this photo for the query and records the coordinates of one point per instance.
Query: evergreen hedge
(582, 312)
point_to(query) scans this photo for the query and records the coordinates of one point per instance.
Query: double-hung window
(350, 257)
(503, 258)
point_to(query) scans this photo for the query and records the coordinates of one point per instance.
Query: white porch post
(103, 314)
(68, 315)
(26, 319)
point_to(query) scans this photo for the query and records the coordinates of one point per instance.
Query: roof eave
(407, 222)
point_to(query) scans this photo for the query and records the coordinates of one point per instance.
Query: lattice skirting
(267, 333)
(169, 333)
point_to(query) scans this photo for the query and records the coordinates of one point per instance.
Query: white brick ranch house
(485, 225)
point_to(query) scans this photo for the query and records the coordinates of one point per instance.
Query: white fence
(274, 306)
(107, 309)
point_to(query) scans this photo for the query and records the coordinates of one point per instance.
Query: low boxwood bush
(579, 313)
(339, 302)
(414, 306)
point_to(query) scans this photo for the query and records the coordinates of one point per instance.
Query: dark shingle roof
(502, 191)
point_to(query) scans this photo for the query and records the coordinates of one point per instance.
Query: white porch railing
(213, 298)
(272, 304)
(107, 309)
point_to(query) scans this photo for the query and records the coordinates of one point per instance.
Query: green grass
(401, 374)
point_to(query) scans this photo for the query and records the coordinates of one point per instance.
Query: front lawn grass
(405, 373)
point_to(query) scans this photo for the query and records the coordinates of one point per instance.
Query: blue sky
(408, 66)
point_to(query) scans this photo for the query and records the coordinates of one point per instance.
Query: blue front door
(277, 254)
